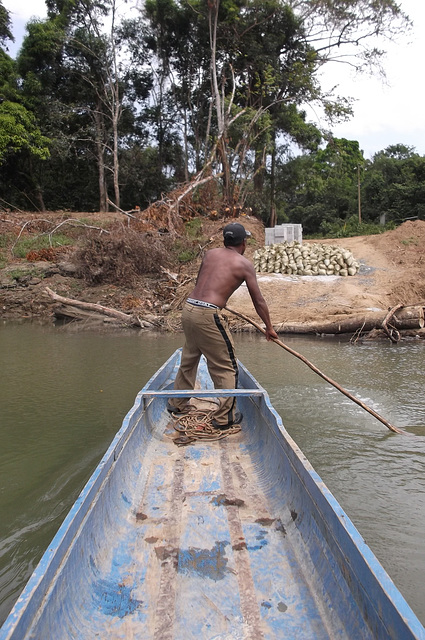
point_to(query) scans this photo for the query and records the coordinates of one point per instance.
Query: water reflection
(63, 397)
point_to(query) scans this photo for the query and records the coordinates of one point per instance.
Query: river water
(63, 396)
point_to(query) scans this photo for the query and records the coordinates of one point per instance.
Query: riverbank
(392, 272)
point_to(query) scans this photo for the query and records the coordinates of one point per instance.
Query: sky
(385, 113)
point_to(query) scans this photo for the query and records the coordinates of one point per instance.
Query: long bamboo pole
(322, 375)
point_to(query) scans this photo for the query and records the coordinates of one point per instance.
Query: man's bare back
(222, 271)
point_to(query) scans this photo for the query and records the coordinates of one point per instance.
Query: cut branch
(97, 309)
(391, 331)
(126, 213)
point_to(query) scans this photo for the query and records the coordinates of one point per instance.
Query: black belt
(201, 303)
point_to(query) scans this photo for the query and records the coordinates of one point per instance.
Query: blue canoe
(227, 540)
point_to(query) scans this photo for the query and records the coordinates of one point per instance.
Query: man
(206, 332)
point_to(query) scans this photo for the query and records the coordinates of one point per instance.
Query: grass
(27, 244)
(17, 274)
(186, 255)
(194, 227)
(409, 241)
(5, 239)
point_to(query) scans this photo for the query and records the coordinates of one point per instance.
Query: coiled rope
(197, 425)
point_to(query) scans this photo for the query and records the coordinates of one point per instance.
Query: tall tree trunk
(186, 147)
(273, 215)
(115, 120)
(227, 185)
(100, 154)
(219, 102)
(114, 102)
(38, 191)
(259, 171)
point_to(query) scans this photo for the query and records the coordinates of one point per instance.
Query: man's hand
(271, 333)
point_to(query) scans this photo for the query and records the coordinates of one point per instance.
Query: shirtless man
(206, 332)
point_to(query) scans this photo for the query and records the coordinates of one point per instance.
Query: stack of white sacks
(294, 258)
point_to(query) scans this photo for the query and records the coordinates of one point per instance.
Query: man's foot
(224, 427)
(175, 411)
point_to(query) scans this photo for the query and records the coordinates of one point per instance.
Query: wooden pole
(359, 197)
(322, 375)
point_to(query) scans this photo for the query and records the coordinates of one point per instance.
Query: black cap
(235, 233)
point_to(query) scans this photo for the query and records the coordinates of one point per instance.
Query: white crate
(284, 233)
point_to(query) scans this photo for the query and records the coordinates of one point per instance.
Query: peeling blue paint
(261, 536)
(114, 599)
(208, 563)
(193, 453)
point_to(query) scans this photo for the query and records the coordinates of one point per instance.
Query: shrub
(351, 227)
(121, 256)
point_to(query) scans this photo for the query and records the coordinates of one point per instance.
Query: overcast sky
(384, 114)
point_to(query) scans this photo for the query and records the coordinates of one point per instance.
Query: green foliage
(5, 24)
(5, 239)
(24, 273)
(25, 245)
(351, 227)
(18, 131)
(194, 227)
(409, 241)
(9, 79)
(143, 179)
(321, 190)
(127, 107)
(186, 248)
(187, 255)
(394, 185)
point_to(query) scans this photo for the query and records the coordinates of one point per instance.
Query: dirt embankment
(392, 272)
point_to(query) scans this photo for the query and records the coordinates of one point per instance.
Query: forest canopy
(111, 107)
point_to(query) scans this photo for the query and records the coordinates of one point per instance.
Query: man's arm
(259, 302)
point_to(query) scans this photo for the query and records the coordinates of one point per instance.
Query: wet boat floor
(202, 556)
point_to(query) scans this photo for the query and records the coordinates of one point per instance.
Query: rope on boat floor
(196, 425)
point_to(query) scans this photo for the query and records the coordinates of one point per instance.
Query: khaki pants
(206, 332)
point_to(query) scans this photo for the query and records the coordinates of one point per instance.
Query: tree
(177, 35)
(84, 64)
(21, 140)
(263, 60)
(5, 25)
(322, 187)
(228, 65)
(394, 185)
(345, 32)
(18, 131)
(208, 87)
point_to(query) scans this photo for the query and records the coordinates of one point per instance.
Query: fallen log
(82, 310)
(403, 318)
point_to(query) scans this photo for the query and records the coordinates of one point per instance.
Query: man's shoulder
(229, 257)
(212, 254)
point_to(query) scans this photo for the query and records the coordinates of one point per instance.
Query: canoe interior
(223, 540)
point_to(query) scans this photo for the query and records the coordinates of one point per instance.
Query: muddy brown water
(64, 395)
